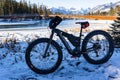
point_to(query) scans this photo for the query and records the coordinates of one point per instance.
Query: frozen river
(44, 24)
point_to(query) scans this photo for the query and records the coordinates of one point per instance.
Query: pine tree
(112, 11)
(35, 11)
(115, 31)
(40, 9)
(1, 7)
(45, 12)
(12, 7)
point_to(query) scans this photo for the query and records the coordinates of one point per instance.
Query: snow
(13, 44)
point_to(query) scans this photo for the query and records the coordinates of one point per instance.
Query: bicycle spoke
(97, 47)
(44, 62)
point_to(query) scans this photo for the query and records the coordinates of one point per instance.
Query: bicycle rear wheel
(97, 47)
(35, 56)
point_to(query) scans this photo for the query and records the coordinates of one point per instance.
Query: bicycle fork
(45, 53)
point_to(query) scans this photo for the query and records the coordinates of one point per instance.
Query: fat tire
(32, 67)
(111, 47)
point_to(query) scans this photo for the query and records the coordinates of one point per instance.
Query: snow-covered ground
(13, 66)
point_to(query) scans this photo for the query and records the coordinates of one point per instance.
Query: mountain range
(64, 10)
(104, 7)
(101, 8)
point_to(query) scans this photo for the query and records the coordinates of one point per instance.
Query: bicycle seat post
(80, 34)
(83, 26)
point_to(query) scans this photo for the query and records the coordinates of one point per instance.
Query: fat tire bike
(44, 55)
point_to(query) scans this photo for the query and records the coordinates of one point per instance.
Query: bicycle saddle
(83, 24)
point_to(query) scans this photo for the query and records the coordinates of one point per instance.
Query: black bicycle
(44, 55)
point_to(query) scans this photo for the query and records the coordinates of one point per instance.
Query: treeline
(111, 12)
(12, 7)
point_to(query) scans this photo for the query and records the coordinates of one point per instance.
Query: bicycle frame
(60, 34)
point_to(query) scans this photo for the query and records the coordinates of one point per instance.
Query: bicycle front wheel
(98, 47)
(35, 56)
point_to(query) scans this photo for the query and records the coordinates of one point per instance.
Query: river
(65, 23)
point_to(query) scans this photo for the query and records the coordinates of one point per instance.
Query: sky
(78, 4)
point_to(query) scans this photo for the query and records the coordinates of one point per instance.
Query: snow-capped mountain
(104, 7)
(72, 10)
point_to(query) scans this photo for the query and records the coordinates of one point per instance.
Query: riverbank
(98, 17)
(93, 17)
(39, 17)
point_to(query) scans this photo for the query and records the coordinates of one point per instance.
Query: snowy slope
(104, 7)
